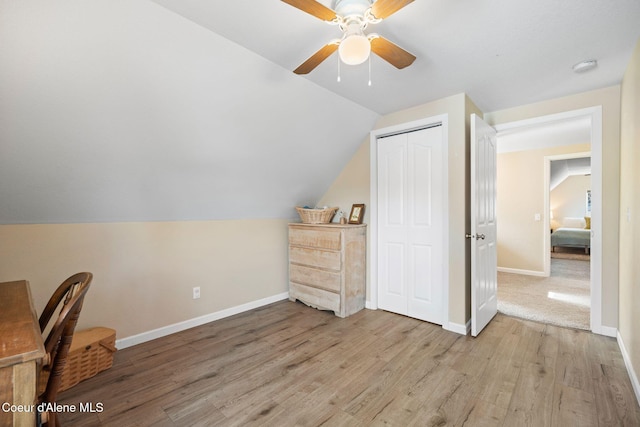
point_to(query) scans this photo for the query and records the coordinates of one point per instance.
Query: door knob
(469, 236)
(480, 236)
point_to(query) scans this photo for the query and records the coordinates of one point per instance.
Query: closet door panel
(392, 251)
(410, 227)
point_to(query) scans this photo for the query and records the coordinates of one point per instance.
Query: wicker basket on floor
(91, 352)
(316, 216)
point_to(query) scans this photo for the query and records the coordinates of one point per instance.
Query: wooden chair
(64, 292)
(70, 294)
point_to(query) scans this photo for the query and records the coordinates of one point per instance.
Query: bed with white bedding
(573, 233)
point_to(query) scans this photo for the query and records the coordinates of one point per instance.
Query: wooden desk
(21, 347)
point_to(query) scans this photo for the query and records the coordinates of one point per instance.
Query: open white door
(484, 275)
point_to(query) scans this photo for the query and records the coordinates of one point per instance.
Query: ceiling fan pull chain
(338, 68)
(369, 70)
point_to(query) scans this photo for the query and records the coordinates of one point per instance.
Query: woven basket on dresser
(316, 216)
(91, 352)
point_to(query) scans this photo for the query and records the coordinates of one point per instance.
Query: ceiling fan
(353, 17)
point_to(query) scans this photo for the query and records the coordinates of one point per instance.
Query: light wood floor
(287, 364)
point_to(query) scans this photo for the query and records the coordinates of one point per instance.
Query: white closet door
(392, 195)
(425, 224)
(410, 224)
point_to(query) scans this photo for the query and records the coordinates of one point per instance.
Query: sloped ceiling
(125, 111)
(134, 110)
(560, 170)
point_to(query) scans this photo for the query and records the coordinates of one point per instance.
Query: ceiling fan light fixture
(352, 17)
(354, 49)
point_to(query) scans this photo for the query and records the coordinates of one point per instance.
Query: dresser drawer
(315, 257)
(324, 239)
(314, 297)
(328, 280)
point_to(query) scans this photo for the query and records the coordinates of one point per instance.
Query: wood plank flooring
(287, 365)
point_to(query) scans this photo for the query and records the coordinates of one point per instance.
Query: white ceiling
(554, 134)
(502, 53)
(135, 110)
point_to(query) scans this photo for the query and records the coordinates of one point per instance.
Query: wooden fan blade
(391, 53)
(382, 9)
(314, 8)
(316, 58)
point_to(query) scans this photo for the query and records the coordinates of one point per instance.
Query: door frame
(595, 116)
(439, 120)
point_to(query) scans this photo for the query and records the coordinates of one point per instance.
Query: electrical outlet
(196, 292)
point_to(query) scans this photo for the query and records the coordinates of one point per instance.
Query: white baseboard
(519, 271)
(607, 331)
(187, 324)
(457, 328)
(627, 362)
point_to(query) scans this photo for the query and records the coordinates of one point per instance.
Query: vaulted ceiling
(134, 110)
(502, 53)
(560, 170)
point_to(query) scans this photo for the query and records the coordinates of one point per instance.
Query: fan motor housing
(347, 8)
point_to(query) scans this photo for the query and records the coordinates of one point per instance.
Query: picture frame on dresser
(357, 213)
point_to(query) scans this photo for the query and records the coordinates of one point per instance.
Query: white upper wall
(124, 111)
(569, 199)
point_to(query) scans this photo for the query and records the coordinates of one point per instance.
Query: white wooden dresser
(327, 266)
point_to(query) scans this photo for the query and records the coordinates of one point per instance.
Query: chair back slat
(62, 294)
(70, 295)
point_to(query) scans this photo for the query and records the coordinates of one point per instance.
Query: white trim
(442, 120)
(627, 362)
(595, 115)
(187, 324)
(596, 222)
(608, 331)
(458, 329)
(546, 244)
(548, 119)
(523, 272)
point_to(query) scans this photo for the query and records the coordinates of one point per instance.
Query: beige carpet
(562, 299)
(570, 253)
